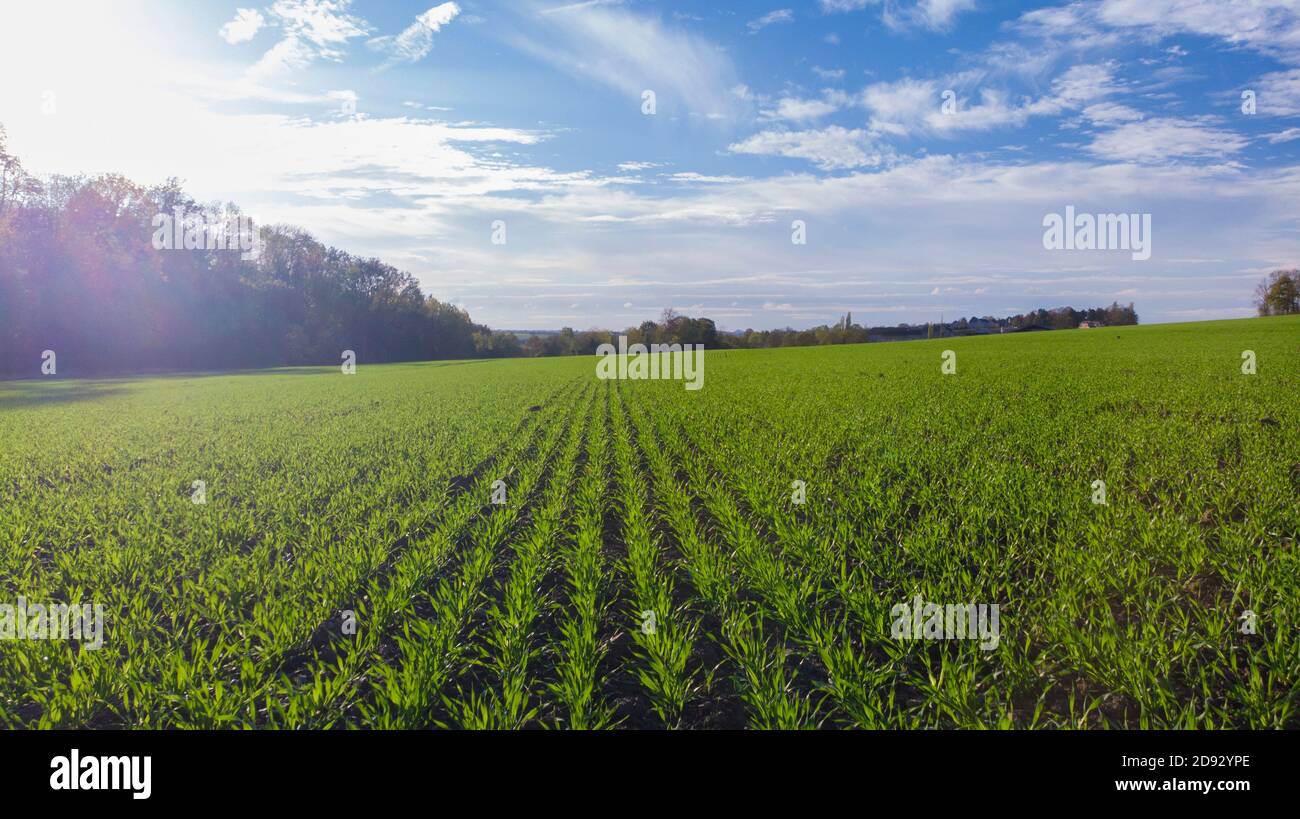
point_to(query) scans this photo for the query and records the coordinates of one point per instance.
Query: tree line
(81, 274)
(673, 328)
(846, 331)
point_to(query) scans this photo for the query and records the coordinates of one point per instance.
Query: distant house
(1089, 325)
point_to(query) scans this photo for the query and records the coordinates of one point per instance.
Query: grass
(335, 500)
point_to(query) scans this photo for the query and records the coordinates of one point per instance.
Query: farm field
(650, 566)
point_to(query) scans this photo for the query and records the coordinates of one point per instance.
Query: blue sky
(405, 130)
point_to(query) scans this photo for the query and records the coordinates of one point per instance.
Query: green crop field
(652, 564)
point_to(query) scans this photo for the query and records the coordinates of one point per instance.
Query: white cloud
(1278, 93)
(1165, 138)
(416, 40)
(313, 29)
(898, 106)
(326, 24)
(1268, 26)
(778, 16)
(908, 105)
(995, 109)
(638, 166)
(911, 105)
(287, 55)
(346, 97)
(1081, 84)
(243, 28)
(692, 176)
(797, 110)
(832, 148)
(936, 15)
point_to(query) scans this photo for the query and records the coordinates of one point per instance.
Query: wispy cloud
(633, 167)
(1283, 136)
(1278, 93)
(799, 110)
(415, 41)
(777, 16)
(633, 52)
(1110, 113)
(911, 106)
(1269, 27)
(1164, 139)
(832, 148)
(935, 15)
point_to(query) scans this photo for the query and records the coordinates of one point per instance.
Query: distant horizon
(966, 316)
(1142, 322)
(163, 372)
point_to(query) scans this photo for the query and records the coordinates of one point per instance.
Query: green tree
(1279, 294)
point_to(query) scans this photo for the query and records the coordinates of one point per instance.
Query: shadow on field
(333, 369)
(34, 392)
(27, 394)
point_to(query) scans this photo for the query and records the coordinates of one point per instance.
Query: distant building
(1088, 325)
